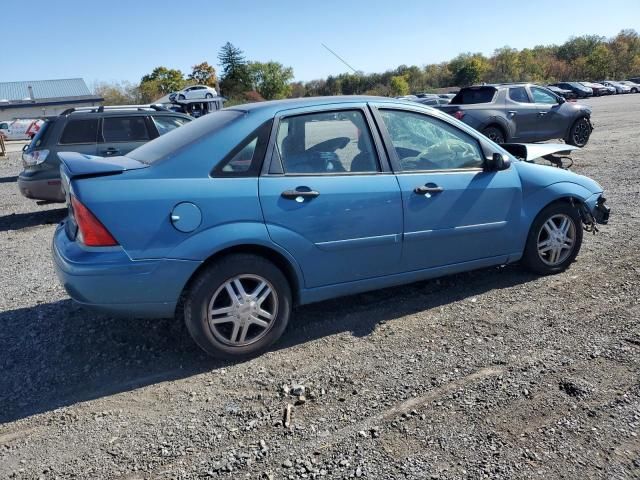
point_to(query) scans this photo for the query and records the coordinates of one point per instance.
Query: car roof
(272, 107)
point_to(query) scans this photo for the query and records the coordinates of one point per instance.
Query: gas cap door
(186, 217)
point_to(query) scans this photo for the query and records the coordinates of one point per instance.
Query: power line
(340, 58)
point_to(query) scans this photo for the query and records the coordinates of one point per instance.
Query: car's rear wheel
(494, 134)
(554, 239)
(238, 306)
(579, 133)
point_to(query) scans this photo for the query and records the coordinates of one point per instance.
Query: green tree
(399, 86)
(468, 68)
(235, 78)
(506, 65)
(117, 93)
(271, 79)
(600, 63)
(163, 80)
(204, 74)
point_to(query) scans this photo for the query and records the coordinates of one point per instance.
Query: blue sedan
(239, 216)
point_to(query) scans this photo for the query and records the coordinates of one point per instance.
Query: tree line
(586, 57)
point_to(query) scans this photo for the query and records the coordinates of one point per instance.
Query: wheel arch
(495, 123)
(286, 266)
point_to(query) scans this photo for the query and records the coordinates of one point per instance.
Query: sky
(118, 40)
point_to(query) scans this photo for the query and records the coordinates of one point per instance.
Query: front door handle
(513, 113)
(429, 188)
(299, 195)
(111, 151)
(542, 114)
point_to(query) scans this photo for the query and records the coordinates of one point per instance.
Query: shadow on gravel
(17, 221)
(58, 354)
(8, 179)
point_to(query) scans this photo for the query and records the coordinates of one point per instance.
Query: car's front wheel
(238, 306)
(181, 97)
(579, 133)
(554, 239)
(494, 133)
(208, 95)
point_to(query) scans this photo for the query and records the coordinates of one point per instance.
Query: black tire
(532, 259)
(579, 133)
(495, 134)
(181, 97)
(208, 95)
(634, 90)
(212, 280)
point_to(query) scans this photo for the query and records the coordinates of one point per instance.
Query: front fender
(533, 204)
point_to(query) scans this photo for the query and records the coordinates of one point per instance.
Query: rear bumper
(41, 188)
(107, 280)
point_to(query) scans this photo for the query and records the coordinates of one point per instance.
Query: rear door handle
(542, 114)
(111, 151)
(428, 189)
(299, 195)
(513, 113)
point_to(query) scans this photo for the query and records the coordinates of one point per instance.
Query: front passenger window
(542, 96)
(326, 143)
(425, 143)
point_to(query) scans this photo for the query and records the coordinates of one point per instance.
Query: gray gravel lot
(490, 374)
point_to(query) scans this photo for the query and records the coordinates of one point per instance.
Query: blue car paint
(363, 232)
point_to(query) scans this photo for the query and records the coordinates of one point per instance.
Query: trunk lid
(76, 166)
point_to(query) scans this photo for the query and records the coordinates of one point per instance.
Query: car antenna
(340, 58)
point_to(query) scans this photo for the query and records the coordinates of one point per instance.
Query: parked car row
(571, 90)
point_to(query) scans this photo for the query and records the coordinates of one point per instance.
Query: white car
(194, 92)
(635, 87)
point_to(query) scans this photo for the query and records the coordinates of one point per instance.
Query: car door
(523, 113)
(329, 197)
(454, 210)
(553, 117)
(121, 134)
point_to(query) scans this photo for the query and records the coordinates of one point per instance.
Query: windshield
(175, 140)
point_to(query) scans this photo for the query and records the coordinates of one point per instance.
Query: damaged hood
(531, 151)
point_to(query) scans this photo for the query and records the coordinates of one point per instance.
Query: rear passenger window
(473, 95)
(246, 159)
(327, 142)
(124, 129)
(519, 94)
(80, 131)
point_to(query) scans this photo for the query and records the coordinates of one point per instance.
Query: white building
(40, 98)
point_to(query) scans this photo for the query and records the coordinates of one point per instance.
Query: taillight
(90, 231)
(459, 114)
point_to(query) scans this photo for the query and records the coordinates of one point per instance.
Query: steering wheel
(330, 145)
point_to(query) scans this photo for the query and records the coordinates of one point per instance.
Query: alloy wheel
(243, 310)
(556, 239)
(581, 133)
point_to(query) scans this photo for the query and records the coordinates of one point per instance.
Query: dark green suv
(101, 131)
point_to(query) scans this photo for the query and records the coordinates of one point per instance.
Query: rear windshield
(468, 96)
(40, 138)
(175, 140)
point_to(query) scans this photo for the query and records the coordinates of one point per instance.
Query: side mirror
(497, 162)
(561, 100)
(24, 148)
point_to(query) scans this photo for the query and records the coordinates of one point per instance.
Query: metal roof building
(37, 98)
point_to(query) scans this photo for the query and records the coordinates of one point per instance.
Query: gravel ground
(490, 374)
